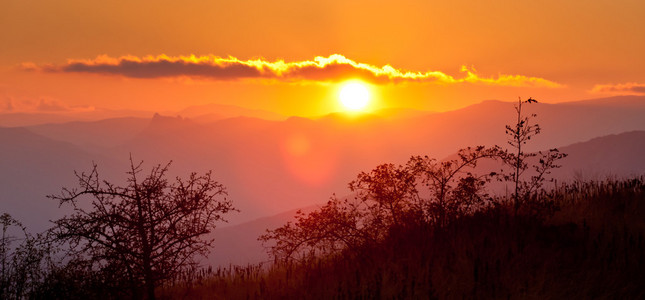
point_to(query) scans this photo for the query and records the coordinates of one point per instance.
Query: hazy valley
(271, 166)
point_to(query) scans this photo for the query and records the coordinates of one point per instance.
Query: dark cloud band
(321, 69)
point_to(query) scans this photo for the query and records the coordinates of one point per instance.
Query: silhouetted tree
(452, 186)
(386, 198)
(334, 227)
(148, 230)
(21, 259)
(390, 195)
(520, 161)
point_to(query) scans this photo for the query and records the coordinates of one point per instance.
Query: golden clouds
(508, 80)
(333, 68)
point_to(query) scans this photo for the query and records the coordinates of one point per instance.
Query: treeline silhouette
(427, 229)
(590, 245)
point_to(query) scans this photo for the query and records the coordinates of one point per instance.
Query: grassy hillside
(587, 241)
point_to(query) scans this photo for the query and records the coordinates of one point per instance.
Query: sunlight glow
(354, 96)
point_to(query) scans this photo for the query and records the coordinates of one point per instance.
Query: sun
(354, 96)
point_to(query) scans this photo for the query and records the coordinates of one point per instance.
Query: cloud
(630, 88)
(9, 104)
(321, 69)
(50, 105)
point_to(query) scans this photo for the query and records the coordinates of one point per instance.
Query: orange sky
(71, 55)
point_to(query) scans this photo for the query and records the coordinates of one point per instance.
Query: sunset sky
(292, 57)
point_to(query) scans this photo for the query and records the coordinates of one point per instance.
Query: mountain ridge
(273, 166)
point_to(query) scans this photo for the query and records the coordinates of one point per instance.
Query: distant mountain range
(213, 112)
(33, 166)
(23, 119)
(271, 165)
(615, 155)
(199, 113)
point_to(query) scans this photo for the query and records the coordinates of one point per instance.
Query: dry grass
(592, 246)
